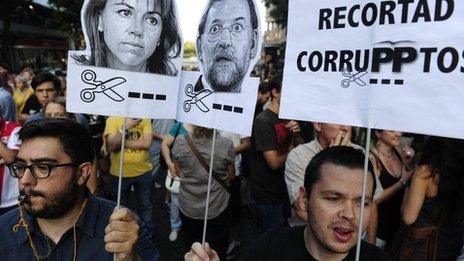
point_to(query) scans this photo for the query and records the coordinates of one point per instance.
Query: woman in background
(21, 93)
(436, 196)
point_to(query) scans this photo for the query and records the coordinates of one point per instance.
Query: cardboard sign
(388, 65)
(231, 112)
(228, 44)
(132, 61)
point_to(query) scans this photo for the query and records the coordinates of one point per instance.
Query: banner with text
(396, 65)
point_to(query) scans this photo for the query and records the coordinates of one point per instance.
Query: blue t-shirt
(178, 130)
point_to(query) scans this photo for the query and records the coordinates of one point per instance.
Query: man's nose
(348, 210)
(27, 179)
(136, 27)
(225, 40)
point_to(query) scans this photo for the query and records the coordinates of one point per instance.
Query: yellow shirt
(136, 162)
(20, 98)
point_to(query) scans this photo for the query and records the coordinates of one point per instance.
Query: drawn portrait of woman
(131, 35)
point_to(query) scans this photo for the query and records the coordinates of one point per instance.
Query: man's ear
(100, 24)
(84, 171)
(254, 44)
(317, 126)
(199, 50)
(301, 205)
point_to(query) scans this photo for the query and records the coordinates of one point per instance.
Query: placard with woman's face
(131, 64)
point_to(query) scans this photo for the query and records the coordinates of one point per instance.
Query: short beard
(227, 80)
(60, 204)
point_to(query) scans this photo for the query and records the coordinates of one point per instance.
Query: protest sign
(394, 65)
(131, 64)
(231, 112)
(228, 44)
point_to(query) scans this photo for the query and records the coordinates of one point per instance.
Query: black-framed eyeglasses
(38, 170)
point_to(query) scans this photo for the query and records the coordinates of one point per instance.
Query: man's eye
(152, 20)
(215, 29)
(124, 13)
(333, 199)
(237, 28)
(41, 168)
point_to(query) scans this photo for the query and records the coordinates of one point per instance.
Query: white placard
(131, 64)
(386, 65)
(228, 44)
(231, 112)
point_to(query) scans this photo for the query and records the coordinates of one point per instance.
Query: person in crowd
(21, 93)
(241, 145)
(46, 87)
(225, 57)
(194, 185)
(332, 197)
(136, 164)
(29, 74)
(9, 146)
(177, 129)
(58, 218)
(271, 141)
(435, 198)
(145, 40)
(56, 108)
(6, 101)
(390, 162)
(263, 97)
(161, 127)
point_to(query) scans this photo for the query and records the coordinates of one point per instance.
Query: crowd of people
(300, 181)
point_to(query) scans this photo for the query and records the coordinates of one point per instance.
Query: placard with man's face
(223, 95)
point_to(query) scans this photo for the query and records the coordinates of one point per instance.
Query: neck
(274, 106)
(320, 252)
(323, 142)
(384, 149)
(116, 64)
(55, 228)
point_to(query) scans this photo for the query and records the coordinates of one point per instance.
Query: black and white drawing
(105, 87)
(228, 44)
(131, 35)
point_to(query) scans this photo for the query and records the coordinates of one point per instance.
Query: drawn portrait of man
(227, 44)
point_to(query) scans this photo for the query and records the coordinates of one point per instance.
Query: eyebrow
(128, 6)
(336, 193)
(43, 160)
(235, 20)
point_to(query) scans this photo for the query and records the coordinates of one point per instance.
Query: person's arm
(114, 139)
(243, 146)
(142, 144)
(274, 160)
(166, 144)
(415, 195)
(8, 155)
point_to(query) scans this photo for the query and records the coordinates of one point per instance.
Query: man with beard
(227, 41)
(332, 199)
(58, 218)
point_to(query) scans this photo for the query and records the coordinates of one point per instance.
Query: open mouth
(343, 234)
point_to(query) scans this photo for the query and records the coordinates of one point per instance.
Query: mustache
(224, 54)
(24, 195)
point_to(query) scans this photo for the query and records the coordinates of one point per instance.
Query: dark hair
(46, 77)
(253, 16)
(73, 137)
(345, 156)
(263, 87)
(445, 157)
(159, 62)
(276, 84)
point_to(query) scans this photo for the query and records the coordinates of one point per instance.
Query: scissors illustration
(196, 98)
(356, 78)
(106, 87)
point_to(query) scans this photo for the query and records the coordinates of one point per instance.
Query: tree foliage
(279, 11)
(68, 14)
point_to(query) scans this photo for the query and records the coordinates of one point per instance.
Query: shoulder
(370, 252)
(282, 236)
(7, 223)
(35, 117)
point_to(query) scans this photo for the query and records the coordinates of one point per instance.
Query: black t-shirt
(288, 244)
(269, 133)
(32, 106)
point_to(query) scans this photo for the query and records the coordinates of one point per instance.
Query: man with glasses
(58, 218)
(227, 41)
